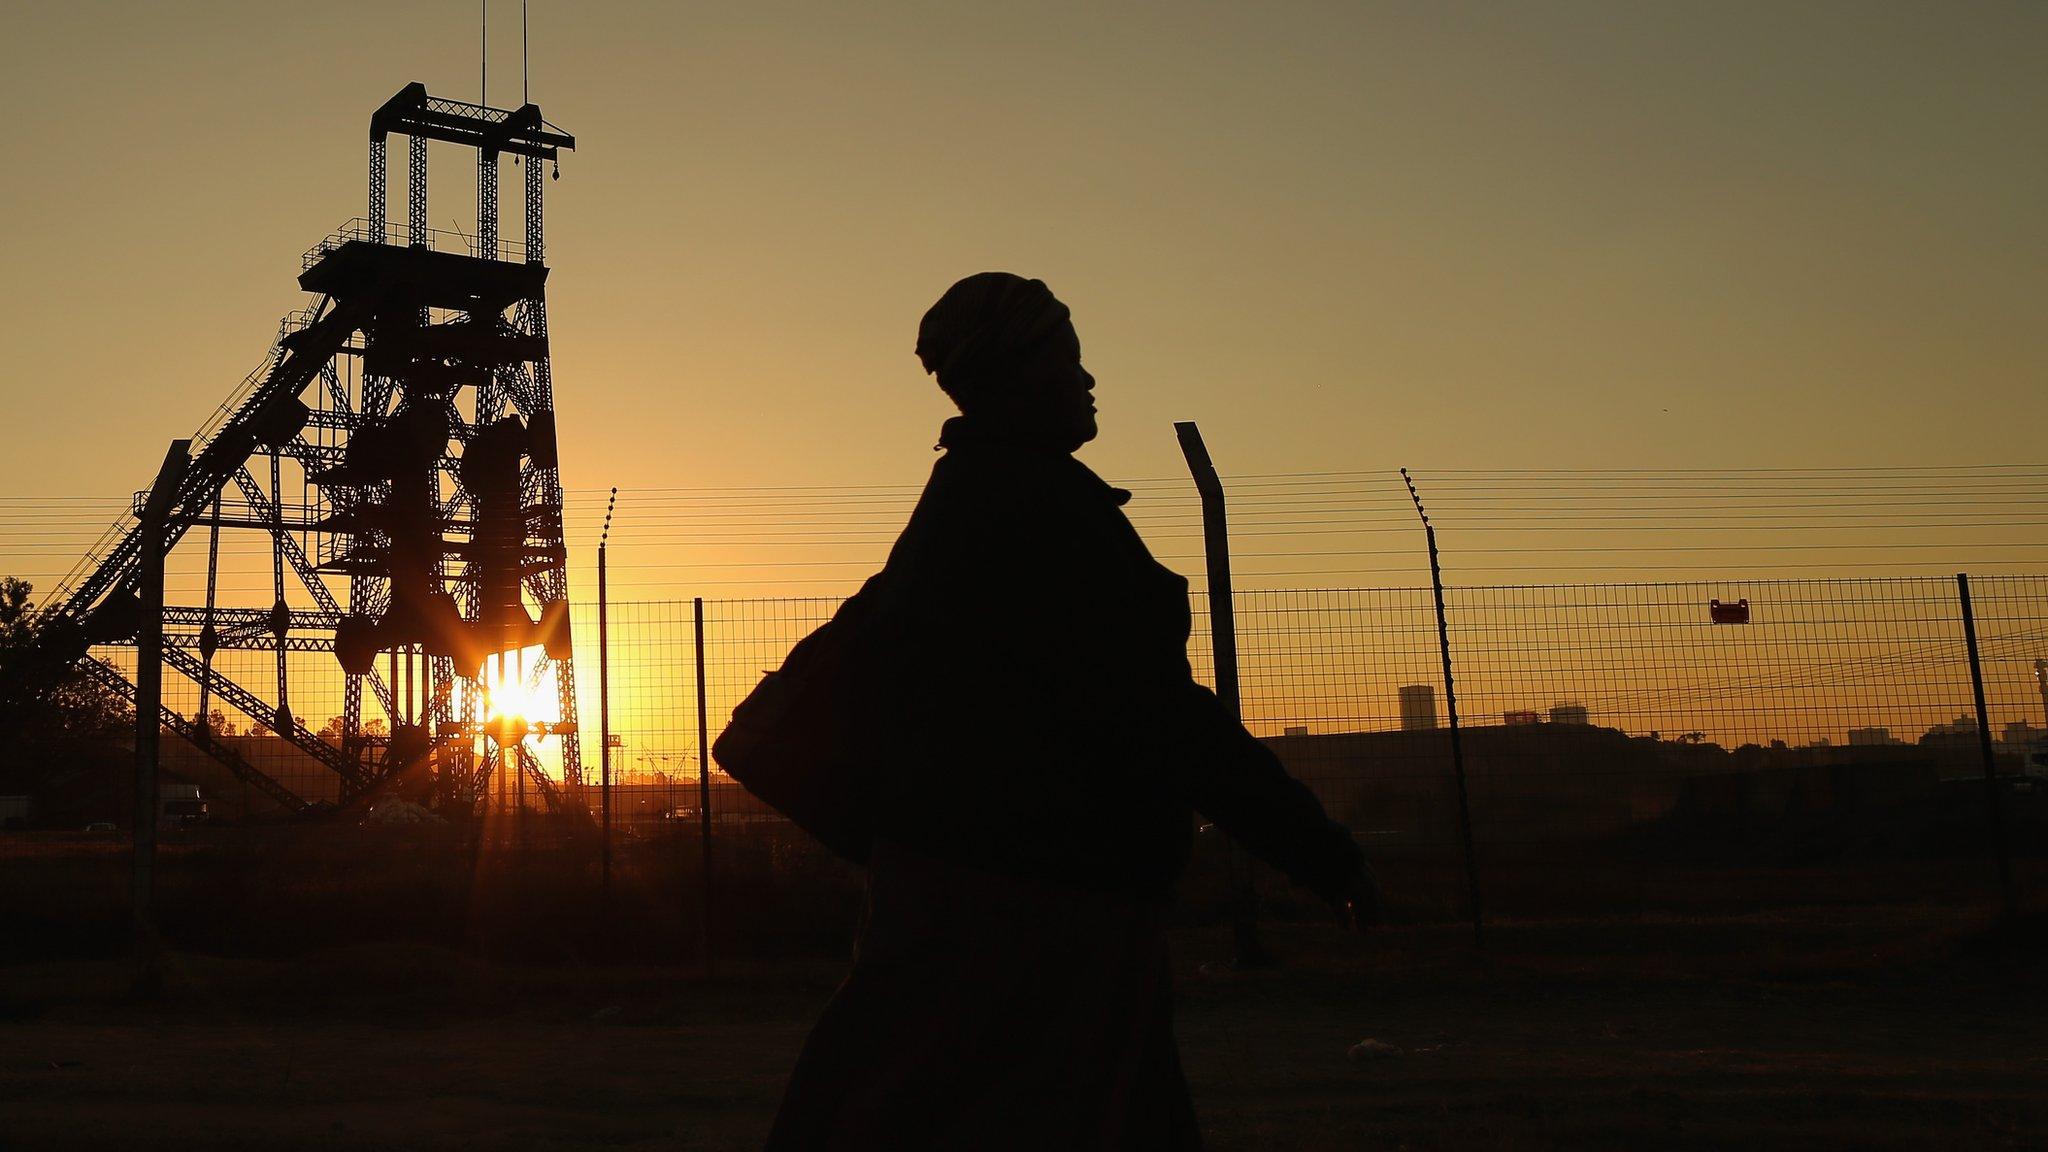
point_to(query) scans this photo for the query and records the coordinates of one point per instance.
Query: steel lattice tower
(413, 407)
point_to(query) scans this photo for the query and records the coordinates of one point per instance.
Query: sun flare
(513, 691)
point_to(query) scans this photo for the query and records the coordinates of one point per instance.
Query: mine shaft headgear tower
(429, 483)
(438, 324)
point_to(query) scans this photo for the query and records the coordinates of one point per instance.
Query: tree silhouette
(50, 713)
(331, 731)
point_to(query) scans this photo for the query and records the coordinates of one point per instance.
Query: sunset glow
(514, 690)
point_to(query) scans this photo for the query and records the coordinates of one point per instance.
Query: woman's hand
(1361, 905)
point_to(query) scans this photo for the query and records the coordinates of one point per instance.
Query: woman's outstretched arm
(1232, 778)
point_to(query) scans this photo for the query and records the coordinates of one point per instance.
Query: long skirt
(987, 1012)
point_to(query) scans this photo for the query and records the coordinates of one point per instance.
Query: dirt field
(1763, 1033)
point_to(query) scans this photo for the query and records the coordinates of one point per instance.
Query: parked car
(101, 826)
(180, 806)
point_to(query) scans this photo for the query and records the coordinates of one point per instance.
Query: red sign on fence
(1733, 612)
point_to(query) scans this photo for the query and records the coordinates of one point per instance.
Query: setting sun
(518, 687)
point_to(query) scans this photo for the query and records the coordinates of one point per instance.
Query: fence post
(1244, 920)
(1994, 809)
(604, 706)
(149, 695)
(703, 802)
(1443, 641)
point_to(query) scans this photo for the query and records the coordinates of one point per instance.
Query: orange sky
(1342, 236)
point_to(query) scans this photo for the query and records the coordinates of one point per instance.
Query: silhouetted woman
(1046, 749)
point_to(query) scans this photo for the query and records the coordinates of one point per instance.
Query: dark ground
(1808, 1029)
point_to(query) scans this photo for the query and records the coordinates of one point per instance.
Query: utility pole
(149, 699)
(1244, 919)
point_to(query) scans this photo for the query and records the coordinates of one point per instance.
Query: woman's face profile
(1062, 387)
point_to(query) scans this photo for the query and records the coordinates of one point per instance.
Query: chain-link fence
(1804, 750)
(1627, 748)
(1680, 747)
